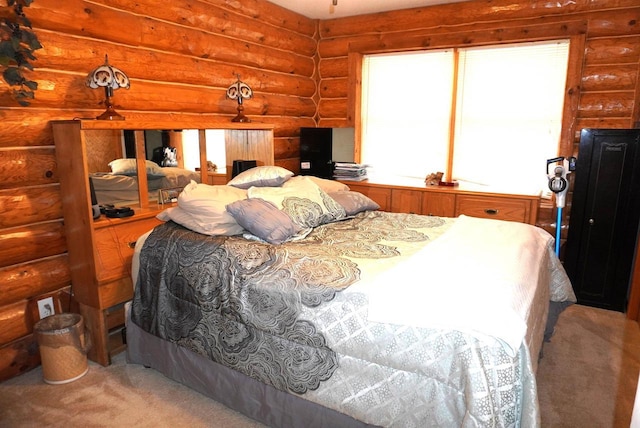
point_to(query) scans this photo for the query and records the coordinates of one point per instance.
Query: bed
(355, 317)
(120, 186)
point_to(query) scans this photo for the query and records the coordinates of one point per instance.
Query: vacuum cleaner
(559, 185)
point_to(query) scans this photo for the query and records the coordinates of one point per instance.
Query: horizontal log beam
(610, 77)
(58, 90)
(270, 13)
(458, 14)
(37, 241)
(25, 205)
(15, 322)
(216, 20)
(89, 19)
(76, 54)
(24, 281)
(606, 104)
(335, 108)
(27, 167)
(18, 357)
(334, 88)
(614, 50)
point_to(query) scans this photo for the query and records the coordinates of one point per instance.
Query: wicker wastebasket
(63, 347)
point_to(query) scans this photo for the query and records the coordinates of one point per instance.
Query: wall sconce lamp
(110, 78)
(239, 91)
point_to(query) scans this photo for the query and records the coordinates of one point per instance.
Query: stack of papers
(350, 171)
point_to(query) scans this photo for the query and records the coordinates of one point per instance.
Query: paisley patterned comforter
(290, 316)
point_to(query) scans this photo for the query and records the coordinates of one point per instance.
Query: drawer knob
(491, 211)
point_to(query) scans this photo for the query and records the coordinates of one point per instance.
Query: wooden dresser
(101, 250)
(413, 196)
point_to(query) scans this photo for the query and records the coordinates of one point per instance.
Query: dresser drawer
(114, 247)
(494, 207)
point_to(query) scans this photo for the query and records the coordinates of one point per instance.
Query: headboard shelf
(100, 251)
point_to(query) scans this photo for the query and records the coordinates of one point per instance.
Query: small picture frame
(169, 195)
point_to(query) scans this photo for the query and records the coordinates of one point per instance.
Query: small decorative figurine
(433, 179)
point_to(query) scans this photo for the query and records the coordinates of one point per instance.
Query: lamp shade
(239, 91)
(110, 78)
(107, 75)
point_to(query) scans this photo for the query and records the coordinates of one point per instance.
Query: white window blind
(405, 113)
(215, 148)
(508, 113)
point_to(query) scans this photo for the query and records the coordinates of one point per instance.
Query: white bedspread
(479, 278)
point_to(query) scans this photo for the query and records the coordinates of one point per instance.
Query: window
(487, 115)
(215, 148)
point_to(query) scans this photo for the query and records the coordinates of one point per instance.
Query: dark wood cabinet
(605, 215)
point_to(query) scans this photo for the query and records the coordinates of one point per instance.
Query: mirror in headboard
(103, 146)
(112, 164)
(112, 157)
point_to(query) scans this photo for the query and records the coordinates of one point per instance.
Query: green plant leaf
(31, 84)
(13, 76)
(17, 44)
(29, 55)
(23, 93)
(31, 40)
(7, 52)
(25, 21)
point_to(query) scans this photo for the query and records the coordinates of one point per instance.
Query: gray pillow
(353, 202)
(264, 220)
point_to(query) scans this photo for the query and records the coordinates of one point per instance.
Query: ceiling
(324, 9)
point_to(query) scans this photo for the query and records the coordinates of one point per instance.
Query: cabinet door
(406, 201)
(114, 247)
(438, 204)
(248, 144)
(605, 213)
(316, 152)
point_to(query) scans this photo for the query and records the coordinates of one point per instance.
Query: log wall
(181, 56)
(606, 69)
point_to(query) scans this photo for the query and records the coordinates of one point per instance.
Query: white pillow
(261, 176)
(207, 225)
(129, 167)
(325, 184)
(207, 206)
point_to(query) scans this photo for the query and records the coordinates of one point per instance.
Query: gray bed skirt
(254, 399)
(239, 392)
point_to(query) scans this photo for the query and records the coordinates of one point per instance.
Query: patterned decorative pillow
(354, 202)
(261, 176)
(306, 203)
(281, 214)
